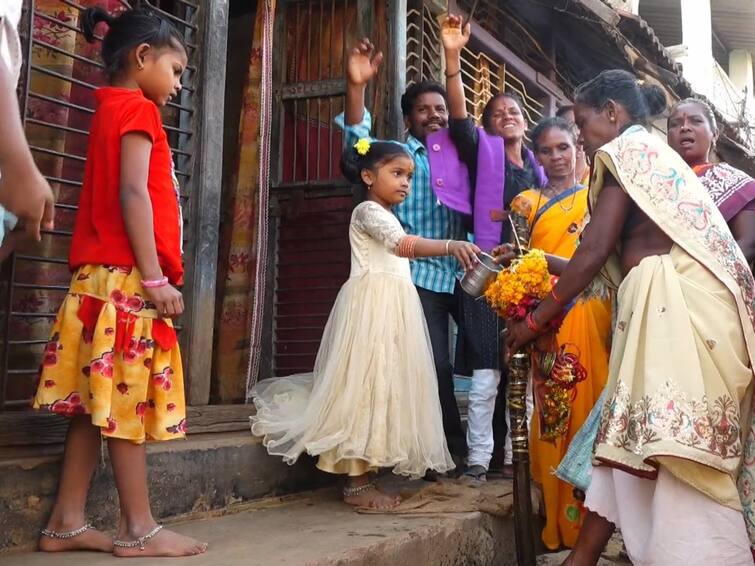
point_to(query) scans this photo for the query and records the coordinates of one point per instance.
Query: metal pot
(484, 272)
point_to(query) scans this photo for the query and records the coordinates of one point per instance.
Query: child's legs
(79, 462)
(130, 470)
(68, 513)
(361, 492)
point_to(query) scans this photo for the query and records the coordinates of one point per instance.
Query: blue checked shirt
(421, 213)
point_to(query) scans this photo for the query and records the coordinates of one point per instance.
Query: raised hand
(363, 63)
(453, 35)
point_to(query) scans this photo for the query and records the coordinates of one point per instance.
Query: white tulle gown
(372, 400)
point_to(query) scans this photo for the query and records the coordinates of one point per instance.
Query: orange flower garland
(516, 291)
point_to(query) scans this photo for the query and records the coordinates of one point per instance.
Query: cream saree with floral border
(679, 389)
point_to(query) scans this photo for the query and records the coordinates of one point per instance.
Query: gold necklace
(560, 203)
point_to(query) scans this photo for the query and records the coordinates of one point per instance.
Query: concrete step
(203, 473)
(317, 529)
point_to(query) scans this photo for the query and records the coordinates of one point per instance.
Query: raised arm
(454, 39)
(361, 67)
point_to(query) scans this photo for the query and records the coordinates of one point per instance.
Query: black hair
(550, 123)
(487, 112)
(379, 152)
(416, 90)
(563, 110)
(704, 106)
(128, 30)
(641, 101)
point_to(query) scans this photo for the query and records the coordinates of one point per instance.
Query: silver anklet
(138, 542)
(352, 491)
(68, 534)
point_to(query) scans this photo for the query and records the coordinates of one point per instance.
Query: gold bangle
(448, 243)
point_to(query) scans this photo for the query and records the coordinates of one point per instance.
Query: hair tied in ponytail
(89, 20)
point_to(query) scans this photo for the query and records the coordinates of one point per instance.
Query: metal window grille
(60, 74)
(484, 73)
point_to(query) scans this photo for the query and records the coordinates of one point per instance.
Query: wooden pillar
(205, 205)
(397, 68)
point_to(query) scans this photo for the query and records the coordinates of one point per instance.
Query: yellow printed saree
(679, 386)
(555, 227)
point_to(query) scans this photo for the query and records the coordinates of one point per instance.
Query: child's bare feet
(163, 543)
(372, 498)
(90, 539)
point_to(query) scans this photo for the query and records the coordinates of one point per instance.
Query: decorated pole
(519, 371)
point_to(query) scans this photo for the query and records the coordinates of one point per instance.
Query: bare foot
(164, 543)
(91, 539)
(373, 498)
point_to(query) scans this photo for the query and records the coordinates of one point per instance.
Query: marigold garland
(516, 291)
(521, 286)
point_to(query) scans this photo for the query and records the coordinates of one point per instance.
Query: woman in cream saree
(675, 439)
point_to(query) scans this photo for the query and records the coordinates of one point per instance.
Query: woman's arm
(743, 228)
(599, 239)
(506, 253)
(454, 39)
(136, 207)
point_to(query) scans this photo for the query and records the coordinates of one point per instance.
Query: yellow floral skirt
(110, 356)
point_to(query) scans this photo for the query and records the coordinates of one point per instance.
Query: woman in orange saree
(555, 216)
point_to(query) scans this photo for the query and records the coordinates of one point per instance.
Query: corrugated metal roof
(733, 21)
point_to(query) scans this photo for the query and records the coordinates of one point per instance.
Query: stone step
(317, 529)
(203, 473)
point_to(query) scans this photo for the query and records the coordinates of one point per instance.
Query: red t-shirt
(99, 236)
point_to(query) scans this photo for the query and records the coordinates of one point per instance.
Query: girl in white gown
(372, 400)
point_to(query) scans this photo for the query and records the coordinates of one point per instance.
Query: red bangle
(531, 324)
(162, 282)
(556, 297)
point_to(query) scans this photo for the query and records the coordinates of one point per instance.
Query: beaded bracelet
(155, 283)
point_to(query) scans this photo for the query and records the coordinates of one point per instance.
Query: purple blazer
(450, 181)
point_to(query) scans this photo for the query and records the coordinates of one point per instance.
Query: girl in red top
(113, 363)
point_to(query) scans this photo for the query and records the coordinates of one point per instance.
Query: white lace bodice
(374, 234)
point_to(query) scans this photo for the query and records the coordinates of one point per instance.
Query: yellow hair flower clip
(363, 146)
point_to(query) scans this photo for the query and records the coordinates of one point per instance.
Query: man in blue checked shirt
(425, 111)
